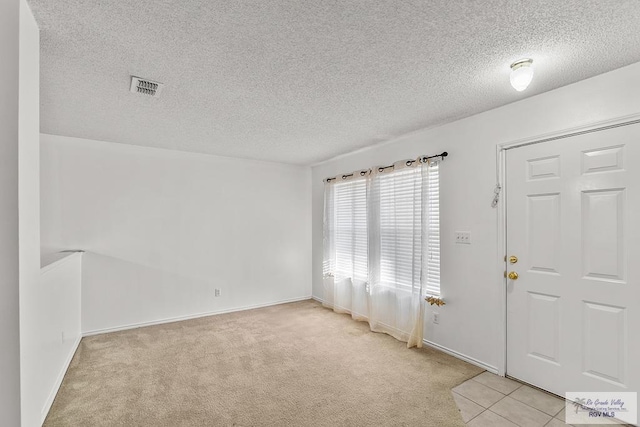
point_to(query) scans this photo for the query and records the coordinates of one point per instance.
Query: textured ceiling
(300, 81)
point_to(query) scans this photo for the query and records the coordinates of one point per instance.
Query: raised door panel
(543, 327)
(543, 233)
(603, 227)
(604, 342)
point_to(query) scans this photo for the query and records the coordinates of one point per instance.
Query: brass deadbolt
(513, 259)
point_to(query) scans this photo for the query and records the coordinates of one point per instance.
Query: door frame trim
(501, 164)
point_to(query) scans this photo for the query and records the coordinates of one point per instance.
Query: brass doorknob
(513, 275)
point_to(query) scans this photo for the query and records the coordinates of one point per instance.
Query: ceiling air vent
(146, 87)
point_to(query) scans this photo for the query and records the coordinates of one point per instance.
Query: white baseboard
(189, 316)
(58, 383)
(461, 356)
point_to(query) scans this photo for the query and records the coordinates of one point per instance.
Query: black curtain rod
(443, 155)
(381, 168)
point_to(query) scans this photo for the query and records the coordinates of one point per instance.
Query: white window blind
(350, 213)
(400, 228)
(432, 252)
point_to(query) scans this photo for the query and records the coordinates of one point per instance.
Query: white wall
(470, 322)
(49, 298)
(31, 301)
(59, 331)
(9, 264)
(163, 229)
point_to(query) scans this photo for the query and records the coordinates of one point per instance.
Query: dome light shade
(521, 74)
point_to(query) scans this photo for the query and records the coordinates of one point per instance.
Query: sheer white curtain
(395, 251)
(329, 252)
(345, 238)
(377, 256)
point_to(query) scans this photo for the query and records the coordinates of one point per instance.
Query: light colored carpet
(294, 364)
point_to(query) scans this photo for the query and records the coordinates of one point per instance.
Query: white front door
(573, 222)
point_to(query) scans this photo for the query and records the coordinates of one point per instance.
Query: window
(382, 246)
(401, 219)
(350, 234)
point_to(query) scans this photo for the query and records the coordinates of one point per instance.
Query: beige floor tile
(468, 409)
(489, 419)
(501, 384)
(519, 413)
(538, 399)
(478, 393)
(560, 415)
(556, 423)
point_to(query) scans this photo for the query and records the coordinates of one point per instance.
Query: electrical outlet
(463, 237)
(217, 293)
(436, 318)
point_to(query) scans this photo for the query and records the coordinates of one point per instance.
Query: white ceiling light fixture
(521, 74)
